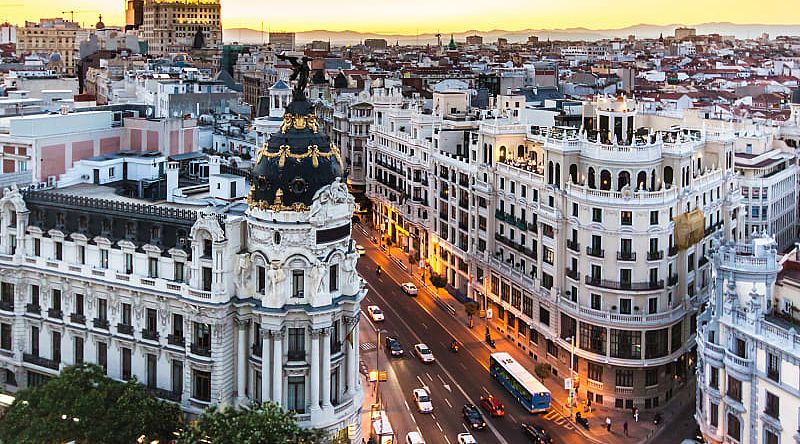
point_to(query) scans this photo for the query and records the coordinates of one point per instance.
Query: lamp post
(571, 374)
(378, 332)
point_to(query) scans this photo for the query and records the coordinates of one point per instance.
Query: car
(409, 288)
(424, 353)
(393, 346)
(537, 434)
(466, 438)
(414, 438)
(473, 417)
(375, 313)
(361, 250)
(423, 401)
(492, 405)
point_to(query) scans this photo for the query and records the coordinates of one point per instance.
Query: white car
(361, 250)
(466, 438)
(414, 438)
(424, 353)
(409, 288)
(423, 400)
(375, 313)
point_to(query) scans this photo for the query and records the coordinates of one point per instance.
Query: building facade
(57, 40)
(282, 41)
(747, 384)
(170, 26)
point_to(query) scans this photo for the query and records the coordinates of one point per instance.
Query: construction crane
(72, 13)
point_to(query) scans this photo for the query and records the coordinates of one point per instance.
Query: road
(455, 378)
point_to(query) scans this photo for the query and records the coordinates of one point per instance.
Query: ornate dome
(295, 163)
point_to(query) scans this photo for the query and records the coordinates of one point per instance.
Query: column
(326, 368)
(241, 370)
(277, 369)
(313, 381)
(265, 369)
(351, 357)
(355, 350)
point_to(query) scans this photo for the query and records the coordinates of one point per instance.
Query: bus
(529, 391)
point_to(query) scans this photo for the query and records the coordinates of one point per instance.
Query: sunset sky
(413, 16)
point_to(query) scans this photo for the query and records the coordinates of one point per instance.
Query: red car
(492, 405)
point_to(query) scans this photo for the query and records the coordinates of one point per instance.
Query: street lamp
(378, 332)
(571, 340)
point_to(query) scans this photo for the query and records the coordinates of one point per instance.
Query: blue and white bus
(528, 390)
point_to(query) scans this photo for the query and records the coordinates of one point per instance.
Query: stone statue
(276, 277)
(350, 267)
(244, 269)
(339, 192)
(319, 210)
(318, 277)
(300, 73)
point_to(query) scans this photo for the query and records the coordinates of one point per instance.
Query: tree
(471, 308)
(438, 281)
(85, 405)
(264, 423)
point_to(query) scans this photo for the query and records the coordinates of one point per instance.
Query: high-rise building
(56, 40)
(589, 243)
(171, 26)
(474, 40)
(683, 33)
(376, 44)
(282, 41)
(747, 346)
(134, 13)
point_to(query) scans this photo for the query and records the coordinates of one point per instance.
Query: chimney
(172, 180)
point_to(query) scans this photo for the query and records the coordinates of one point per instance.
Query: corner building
(589, 244)
(228, 303)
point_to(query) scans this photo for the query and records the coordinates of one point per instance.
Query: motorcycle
(582, 421)
(378, 271)
(657, 419)
(454, 346)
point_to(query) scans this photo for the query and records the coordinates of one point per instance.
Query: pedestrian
(608, 423)
(636, 414)
(625, 428)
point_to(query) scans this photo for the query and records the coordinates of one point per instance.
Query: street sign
(488, 313)
(568, 385)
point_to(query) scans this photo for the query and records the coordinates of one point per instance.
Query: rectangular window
(656, 342)
(78, 347)
(773, 406)
(59, 251)
(626, 344)
(103, 259)
(677, 333)
(734, 388)
(713, 414)
(56, 347)
(773, 367)
(177, 376)
(261, 279)
(298, 283)
(177, 325)
(297, 344)
(102, 355)
(596, 301)
(333, 278)
(734, 427)
(652, 305)
(626, 218)
(5, 337)
(713, 377)
(651, 377)
(81, 254)
(37, 247)
(625, 306)
(202, 336)
(597, 215)
(126, 314)
(654, 218)
(128, 263)
(624, 378)
(201, 389)
(55, 300)
(552, 350)
(78, 309)
(102, 309)
(152, 267)
(178, 272)
(595, 371)
(544, 316)
(593, 338)
(35, 341)
(152, 370)
(126, 363)
(296, 400)
(151, 320)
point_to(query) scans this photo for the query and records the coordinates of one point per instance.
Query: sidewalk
(640, 432)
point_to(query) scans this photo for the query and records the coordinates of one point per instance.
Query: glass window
(593, 338)
(626, 344)
(651, 377)
(177, 376)
(773, 367)
(713, 377)
(734, 427)
(656, 342)
(773, 406)
(595, 372)
(333, 278)
(78, 348)
(126, 363)
(734, 388)
(296, 397)
(297, 283)
(713, 414)
(544, 316)
(297, 344)
(624, 378)
(202, 385)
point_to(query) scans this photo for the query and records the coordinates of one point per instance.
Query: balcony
(673, 280)
(168, 395)
(125, 329)
(55, 314)
(595, 252)
(573, 245)
(7, 306)
(626, 256)
(296, 355)
(33, 309)
(532, 227)
(573, 274)
(655, 255)
(738, 364)
(100, 323)
(201, 350)
(149, 335)
(256, 349)
(673, 251)
(178, 340)
(624, 285)
(76, 318)
(40, 361)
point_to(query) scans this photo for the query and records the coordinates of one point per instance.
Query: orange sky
(412, 16)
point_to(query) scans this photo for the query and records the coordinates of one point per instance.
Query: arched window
(623, 178)
(573, 172)
(641, 180)
(605, 180)
(668, 176)
(502, 153)
(590, 179)
(558, 175)
(521, 151)
(653, 180)
(550, 173)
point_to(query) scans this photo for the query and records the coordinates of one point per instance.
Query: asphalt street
(454, 379)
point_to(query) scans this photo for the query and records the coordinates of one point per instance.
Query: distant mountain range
(246, 35)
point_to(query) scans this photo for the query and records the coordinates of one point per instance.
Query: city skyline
(421, 17)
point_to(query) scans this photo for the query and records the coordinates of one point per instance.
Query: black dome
(296, 162)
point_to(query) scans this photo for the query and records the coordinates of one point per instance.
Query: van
(414, 438)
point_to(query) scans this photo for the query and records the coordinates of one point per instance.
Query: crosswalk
(367, 346)
(557, 418)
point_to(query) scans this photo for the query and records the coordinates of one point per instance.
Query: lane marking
(447, 401)
(486, 390)
(440, 378)
(429, 376)
(465, 427)
(433, 416)
(445, 438)
(513, 419)
(420, 380)
(440, 427)
(424, 325)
